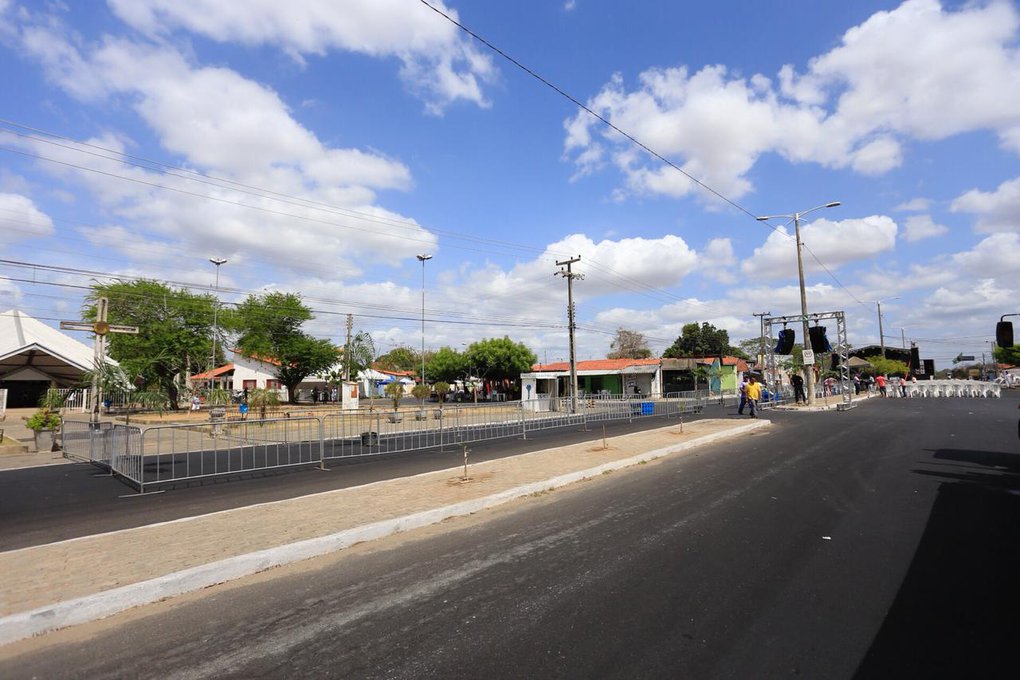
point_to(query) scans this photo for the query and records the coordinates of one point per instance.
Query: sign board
(809, 357)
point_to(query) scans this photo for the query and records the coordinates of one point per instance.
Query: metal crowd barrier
(155, 456)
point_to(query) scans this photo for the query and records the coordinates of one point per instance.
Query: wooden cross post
(100, 327)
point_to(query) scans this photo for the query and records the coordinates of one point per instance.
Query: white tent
(34, 356)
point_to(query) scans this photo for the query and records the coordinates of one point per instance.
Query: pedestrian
(857, 383)
(196, 403)
(743, 396)
(798, 388)
(753, 393)
(880, 381)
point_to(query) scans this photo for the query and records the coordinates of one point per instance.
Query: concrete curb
(100, 605)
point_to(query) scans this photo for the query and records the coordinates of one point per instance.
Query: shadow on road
(956, 613)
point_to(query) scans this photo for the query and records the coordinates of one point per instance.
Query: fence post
(524, 423)
(322, 443)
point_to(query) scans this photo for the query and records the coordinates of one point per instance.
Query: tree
(175, 330)
(446, 364)
(628, 345)
(886, 366)
(361, 354)
(399, 359)
(702, 341)
(269, 327)
(500, 358)
(1007, 355)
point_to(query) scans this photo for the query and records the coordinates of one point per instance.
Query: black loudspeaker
(785, 344)
(835, 361)
(819, 343)
(915, 358)
(1004, 334)
(929, 367)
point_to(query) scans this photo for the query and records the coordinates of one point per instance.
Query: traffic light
(1004, 334)
(819, 343)
(785, 344)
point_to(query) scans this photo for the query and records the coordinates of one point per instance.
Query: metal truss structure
(841, 349)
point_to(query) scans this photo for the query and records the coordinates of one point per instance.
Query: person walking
(880, 380)
(743, 396)
(798, 388)
(753, 394)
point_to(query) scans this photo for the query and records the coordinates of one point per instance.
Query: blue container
(647, 408)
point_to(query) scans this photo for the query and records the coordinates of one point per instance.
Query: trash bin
(369, 438)
(635, 408)
(647, 408)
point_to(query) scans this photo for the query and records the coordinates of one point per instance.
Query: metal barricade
(174, 453)
(86, 441)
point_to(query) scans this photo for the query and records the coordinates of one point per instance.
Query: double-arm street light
(810, 382)
(216, 322)
(423, 259)
(881, 335)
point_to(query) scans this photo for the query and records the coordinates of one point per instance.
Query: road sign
(809, 357)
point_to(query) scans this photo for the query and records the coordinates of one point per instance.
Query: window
(272, 384)
(250, 384)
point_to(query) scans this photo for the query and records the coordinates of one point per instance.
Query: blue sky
(319, 146)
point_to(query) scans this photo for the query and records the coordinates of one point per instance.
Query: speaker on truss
(835, 361)
(819, 343)
(1004, 334)
(785, 344)
(915, 358)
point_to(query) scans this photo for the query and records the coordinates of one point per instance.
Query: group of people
(750, 395)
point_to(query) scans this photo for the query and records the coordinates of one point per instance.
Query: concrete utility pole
(571, 317)
(806, 342)
(347, 349)
(216, 324)
(761, 334)
(423, 259)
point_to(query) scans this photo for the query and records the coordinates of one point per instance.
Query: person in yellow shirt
(753, 394)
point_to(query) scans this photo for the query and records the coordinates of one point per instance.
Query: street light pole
(216, 321)
(423, 259)
(810, 381)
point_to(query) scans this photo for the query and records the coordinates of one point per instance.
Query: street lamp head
(763, 218)
(833, 204)
(217, 260)
(422, 258)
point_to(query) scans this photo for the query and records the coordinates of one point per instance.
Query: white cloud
(998, 210)
(21, 220)
(996, 256)
(890, 78)
(967, 299)
(834, 244)
(436, 59)
(918, 227)
(239, 130)
(717, 261)
(914, 205)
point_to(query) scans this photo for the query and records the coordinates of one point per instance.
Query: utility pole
(571, 318)
(761, 334)
(347, 349)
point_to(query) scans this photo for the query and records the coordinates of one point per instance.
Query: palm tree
(262, 398)
(701, 372)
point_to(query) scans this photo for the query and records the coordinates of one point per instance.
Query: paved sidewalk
(60, 584)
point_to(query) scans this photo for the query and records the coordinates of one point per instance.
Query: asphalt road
(52, 503)
(879, 543)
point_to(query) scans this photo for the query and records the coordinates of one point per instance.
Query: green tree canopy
(446, 365)
(399, 359)
(499, 358)
(175, 329)
(269, 327)
(1007, 355)
(629, 345)
(702, 341)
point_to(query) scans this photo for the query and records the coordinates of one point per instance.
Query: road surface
(881, 542)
